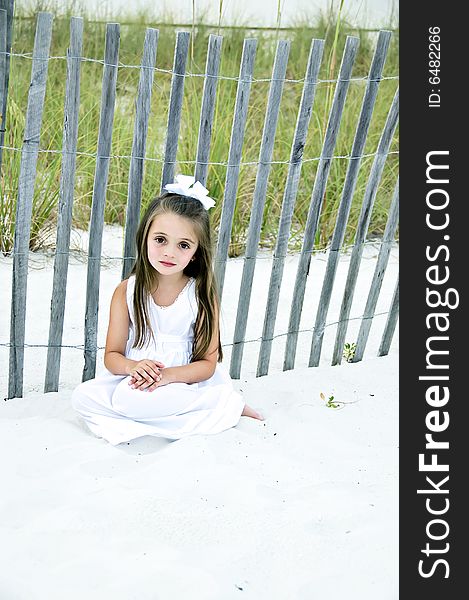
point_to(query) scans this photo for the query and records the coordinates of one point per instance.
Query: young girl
(163, 341)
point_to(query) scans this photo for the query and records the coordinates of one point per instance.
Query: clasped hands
(146, 375)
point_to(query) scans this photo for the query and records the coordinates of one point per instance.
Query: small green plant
(349, 351)
(330, 401)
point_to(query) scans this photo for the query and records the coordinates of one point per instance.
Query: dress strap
(130, 296)
(191, 296)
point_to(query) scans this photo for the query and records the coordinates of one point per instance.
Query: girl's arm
(193, 372)
(117, 334)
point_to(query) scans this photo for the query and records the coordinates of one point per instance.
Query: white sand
(302, 505)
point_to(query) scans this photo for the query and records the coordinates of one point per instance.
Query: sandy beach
(302, 505)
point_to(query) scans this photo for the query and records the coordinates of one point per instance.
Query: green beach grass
(333, 30)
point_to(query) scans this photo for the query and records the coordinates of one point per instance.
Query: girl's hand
(162, 380)
(145, 374)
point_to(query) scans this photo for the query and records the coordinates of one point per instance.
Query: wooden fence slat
(3, 66)
(258, 202)
(288, 204)
(5, 46)
(106, 119)
(29, 155)
(64, 218)
(175, 106)
(234, 159)
(390, 323)
(208, 107)
(348, 59)
(139, 144)
(362, 227)
(378, 276)
(358, 147)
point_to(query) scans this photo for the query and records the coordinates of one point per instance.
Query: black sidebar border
(434, 239)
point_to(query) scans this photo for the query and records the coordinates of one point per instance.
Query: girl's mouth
(167, 264)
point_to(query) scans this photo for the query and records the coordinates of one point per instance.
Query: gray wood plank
(350, 51)
(358, 147)
(288, 203)
(260, 189)
(8, 6)
(106, 120)
(175, 106)
(208, 107)
(139, 144)
(362, 227)
(234, 159)
(390, 323)
(378, 276)
(3, 66)
(64, 218)
(29, 155)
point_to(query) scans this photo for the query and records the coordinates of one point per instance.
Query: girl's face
(171, 243)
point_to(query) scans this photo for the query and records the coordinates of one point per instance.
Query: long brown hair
(200, 269)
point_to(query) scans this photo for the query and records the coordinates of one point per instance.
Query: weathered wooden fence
(6, 19)
(29, 156)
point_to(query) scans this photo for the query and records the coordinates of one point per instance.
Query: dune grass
(334, 31)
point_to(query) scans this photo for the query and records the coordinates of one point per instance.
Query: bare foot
(250, 412)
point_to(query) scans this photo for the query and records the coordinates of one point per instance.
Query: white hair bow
(185, 186)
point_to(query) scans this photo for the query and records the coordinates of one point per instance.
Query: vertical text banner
(434, 238)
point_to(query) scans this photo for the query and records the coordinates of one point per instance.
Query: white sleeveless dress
(118, 413)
